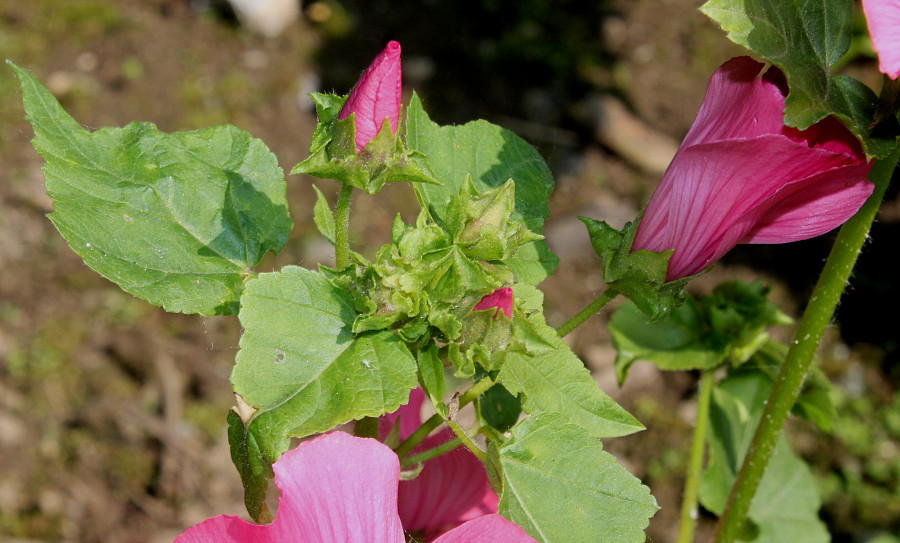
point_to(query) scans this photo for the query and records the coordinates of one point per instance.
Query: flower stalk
(342, 227)
(799, 358)
(695, 464)
(599, 303)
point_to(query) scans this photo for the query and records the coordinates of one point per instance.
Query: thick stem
(424, 456)
(342, 227)
(799, 358)
(695, 465)
(605, 297)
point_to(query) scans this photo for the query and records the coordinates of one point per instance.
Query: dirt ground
(112, 412)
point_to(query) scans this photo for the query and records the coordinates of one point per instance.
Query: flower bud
(376, 96)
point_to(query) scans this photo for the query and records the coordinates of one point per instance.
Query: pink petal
(376, 96)
(883, 19)
(487, 529)
(738, 104)
(451, 489)
(718, 192)
(335, 487)
(502, 299)
(817, 206)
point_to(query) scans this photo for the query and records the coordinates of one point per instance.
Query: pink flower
(376, 96)
(741, 176)
(450, 489)
(337, 488)
(502, 299)
(883, 19)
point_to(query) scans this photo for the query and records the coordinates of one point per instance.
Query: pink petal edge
(487, 529)
(883, 20)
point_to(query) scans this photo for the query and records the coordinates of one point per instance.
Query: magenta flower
(337, 488)
(883, 19)
(450, 489)
(502, 299)
(741, 176)
(376, 96)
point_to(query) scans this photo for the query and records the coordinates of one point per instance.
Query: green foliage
(488, 156)
(560, 486)
(805, 39)
(333, 153)
(785, 508)
(727, 326)
(301, 369)
(176, 219)
(641, 275)
(551, 379)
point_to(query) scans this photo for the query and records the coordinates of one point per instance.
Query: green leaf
(805, 39)
(560, 486)
(431, 377)
(551, 379)
(303, 370)
(785, 508)
(731, 324)
(176, 219)
(641, 275)
(323, 216)
(491, 155)
(675, 343)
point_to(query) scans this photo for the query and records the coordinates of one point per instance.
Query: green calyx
(333, 153)
(482, 225)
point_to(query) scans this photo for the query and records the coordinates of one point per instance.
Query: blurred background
(112, 412)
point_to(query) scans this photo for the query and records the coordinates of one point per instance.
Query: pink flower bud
(883, 19)
(502, 299)
(741, 176)
(376, 96)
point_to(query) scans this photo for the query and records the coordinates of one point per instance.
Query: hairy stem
(605, 297)
(466, 440)
(695, 465)
(799, 358)
(342, 227)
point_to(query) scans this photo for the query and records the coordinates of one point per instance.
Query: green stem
(695, 465)
(342, 227)
(429, 425)
(466, 440)
(424, 456)
(416, 437)
(799, 358)
(605, 297)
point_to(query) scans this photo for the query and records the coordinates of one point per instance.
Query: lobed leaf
(805, 39)
(176, 219)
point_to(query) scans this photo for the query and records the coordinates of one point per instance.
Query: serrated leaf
(805, 39)
(560, 486)
(491, 155)
(176, 219)
(785, 508)
(674, 343)
(551, 379)
(303, 370)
